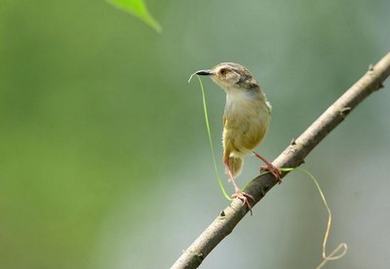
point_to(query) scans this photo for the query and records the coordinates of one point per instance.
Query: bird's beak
(206, 72)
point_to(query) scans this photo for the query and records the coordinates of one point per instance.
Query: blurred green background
(104, 157)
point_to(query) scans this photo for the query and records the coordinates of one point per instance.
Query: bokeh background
(104, 156)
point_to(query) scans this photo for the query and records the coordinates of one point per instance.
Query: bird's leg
(238, 193)
(270, 167)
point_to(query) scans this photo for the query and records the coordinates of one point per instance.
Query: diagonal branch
(292, 156)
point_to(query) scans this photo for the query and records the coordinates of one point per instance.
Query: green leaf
(137, 8)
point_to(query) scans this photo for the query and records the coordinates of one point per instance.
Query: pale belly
(244, 129)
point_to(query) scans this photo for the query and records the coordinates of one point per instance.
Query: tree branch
(292, 156)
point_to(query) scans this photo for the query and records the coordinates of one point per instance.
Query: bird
(246, 119)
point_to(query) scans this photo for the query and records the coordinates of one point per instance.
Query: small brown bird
(245, 121)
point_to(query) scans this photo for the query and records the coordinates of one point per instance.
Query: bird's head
(230, 76)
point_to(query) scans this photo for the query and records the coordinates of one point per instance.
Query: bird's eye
(223, 71)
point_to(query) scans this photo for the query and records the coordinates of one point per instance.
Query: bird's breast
(241, 108)
(246, 121)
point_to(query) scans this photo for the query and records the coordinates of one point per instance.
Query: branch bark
(292, 156)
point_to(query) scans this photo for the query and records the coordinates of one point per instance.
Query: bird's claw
(244, 197)
(275, 171)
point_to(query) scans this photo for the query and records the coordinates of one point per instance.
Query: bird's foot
(244, 197)
(275, 171)
(270, 168)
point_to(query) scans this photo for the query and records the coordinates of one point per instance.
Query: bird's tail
(234, 164)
